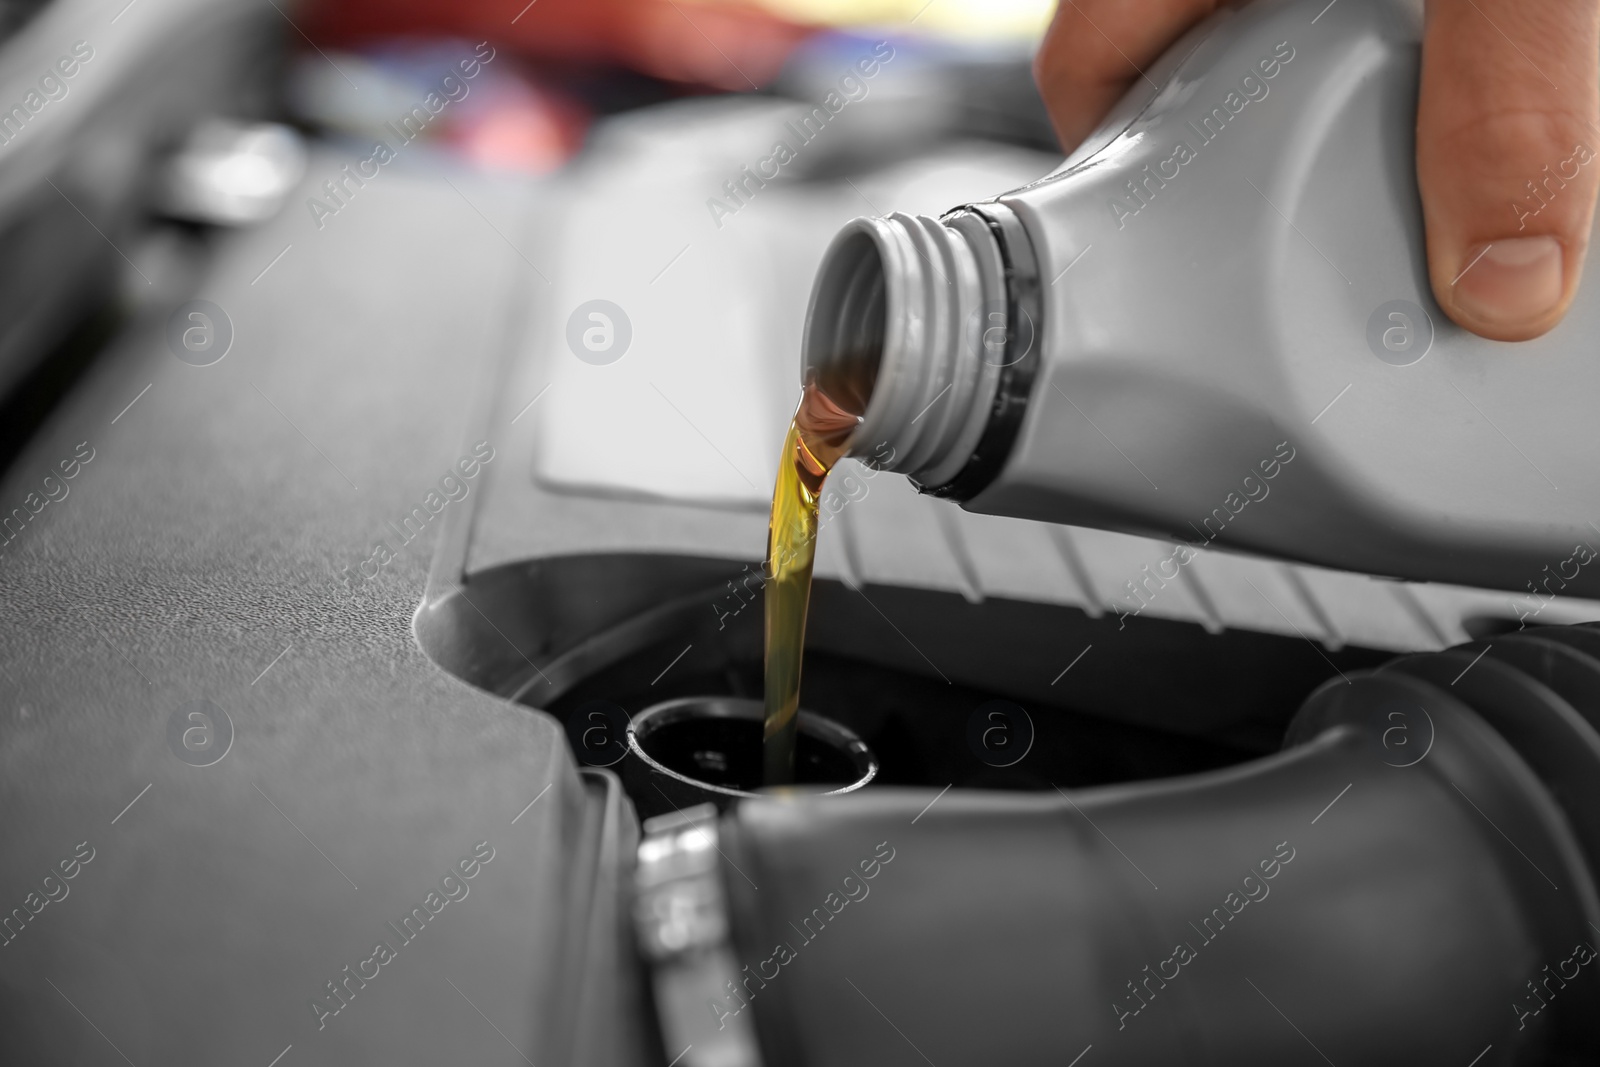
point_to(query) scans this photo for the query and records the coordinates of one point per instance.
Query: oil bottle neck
(926, 325)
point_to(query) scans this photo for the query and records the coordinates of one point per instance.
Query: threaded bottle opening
(895, 333)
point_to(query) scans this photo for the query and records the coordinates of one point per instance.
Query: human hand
(1508, 149)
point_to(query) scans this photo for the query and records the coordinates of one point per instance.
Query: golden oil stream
(817, 440)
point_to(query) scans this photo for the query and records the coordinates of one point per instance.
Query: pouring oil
(817, 439)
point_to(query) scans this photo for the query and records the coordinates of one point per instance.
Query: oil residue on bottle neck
(818, 438)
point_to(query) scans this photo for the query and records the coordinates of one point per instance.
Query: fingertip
(1510, 289)
(1506, 116)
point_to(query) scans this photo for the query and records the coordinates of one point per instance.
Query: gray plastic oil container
(1213, 322)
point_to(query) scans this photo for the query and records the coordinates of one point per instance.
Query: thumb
(1508, 158)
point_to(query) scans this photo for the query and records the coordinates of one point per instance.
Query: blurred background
(182, 120)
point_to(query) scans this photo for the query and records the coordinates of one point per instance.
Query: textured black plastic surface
(1366, 896)
(198, 556)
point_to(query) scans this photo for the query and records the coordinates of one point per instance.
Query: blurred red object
(517, 126)
(721, 45)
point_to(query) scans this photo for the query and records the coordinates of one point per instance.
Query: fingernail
(1511, 283)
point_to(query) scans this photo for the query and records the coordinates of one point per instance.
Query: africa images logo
(1143, 187)
(199, 733)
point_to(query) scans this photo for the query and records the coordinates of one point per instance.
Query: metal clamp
(680, 918)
